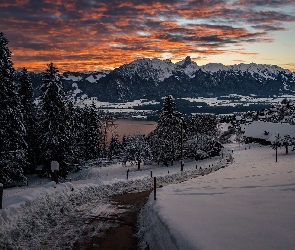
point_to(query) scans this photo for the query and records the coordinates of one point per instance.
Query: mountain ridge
(155, 78)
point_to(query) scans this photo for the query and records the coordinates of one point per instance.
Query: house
(266, 132)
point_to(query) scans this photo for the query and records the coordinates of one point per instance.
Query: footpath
(121, 236)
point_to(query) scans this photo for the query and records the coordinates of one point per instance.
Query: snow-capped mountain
(154, 78)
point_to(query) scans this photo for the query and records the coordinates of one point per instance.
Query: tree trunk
(287, 150)
(138, 164)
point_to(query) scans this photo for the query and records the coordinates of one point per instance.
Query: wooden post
(155, 188)
(1, 194)
(151, 173)
(277, 147)
(127, 173)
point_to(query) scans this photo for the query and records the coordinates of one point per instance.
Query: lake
(132, 127)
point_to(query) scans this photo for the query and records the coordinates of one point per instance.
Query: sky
(91, 35)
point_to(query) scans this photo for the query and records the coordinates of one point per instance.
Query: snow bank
(249, 205)
(34, 218)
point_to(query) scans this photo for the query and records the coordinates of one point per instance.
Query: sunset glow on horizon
(91, 35)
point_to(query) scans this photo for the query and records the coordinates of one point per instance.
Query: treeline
(53, 128)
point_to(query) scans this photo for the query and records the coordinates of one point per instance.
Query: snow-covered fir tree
(166, 139)
(53, 120)
(76, 127)
(206, 124)
(201, 136)
(91, 135)
(28, 108)
(12, 129)
(136, 149)
(115, 148)
(201, 146)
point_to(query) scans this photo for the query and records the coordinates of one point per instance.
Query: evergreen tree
(166, 139)
(136, 149)
(202, 136)
(28, 108)
(91, 138)
(114, 149)
(12, 130)
(75, 133)
(54, 120)
(205, 124)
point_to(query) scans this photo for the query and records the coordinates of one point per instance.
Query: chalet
(266, 132)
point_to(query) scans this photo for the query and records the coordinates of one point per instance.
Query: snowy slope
(248, 205)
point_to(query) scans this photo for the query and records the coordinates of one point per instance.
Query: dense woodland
(35, 132)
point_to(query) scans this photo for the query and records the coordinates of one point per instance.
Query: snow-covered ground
(248, 205)
(49, 216)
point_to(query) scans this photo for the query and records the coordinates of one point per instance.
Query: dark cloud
(269, 27)
(271, 3)
(269, 17)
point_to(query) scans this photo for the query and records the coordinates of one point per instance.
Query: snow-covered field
(248, 205)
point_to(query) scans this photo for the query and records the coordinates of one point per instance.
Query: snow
(247, 205)
(77, 90)
(214, 67)
(123, 108)
(264, 70)
(94, 78)
(189, 67)
(46, 215)
(72, 78)
(159, 70)
(235, 100)
(91, 79)
(154, 68)
(257, 129)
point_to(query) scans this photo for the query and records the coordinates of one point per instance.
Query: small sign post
(54, 170)
(155, 188)
(1, 194)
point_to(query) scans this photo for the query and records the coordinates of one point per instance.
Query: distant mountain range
(153, 78)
